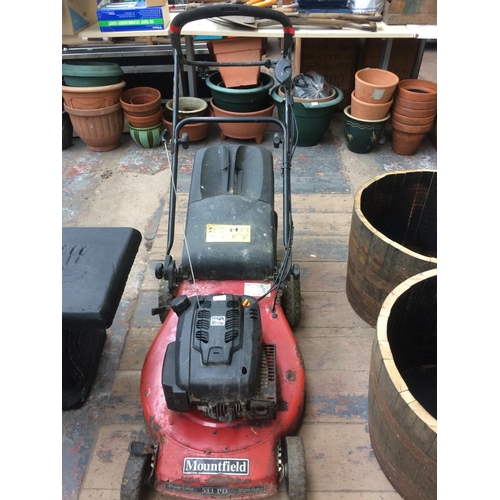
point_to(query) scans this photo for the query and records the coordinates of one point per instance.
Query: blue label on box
(128, 10)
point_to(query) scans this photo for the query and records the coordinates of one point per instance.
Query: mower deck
(199, 457)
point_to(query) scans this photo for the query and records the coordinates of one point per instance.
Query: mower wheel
(164, 299)
(134, 478)
(295, 468)
(291, 299)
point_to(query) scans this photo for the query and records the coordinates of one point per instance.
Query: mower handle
(224, 10)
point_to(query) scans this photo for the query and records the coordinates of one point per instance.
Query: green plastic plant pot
(147, 137)
(313, 118)
(242, 99)
(362, 135)
(91, 73)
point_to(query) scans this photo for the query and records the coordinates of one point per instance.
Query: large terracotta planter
(243, 130)
(375, 85)
(100, 129)
(417, 90)
(92, 97)
(367, 110)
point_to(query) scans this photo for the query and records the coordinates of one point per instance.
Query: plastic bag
(366, 6)
(311, 85)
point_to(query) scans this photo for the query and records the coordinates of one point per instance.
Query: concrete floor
(129, 187)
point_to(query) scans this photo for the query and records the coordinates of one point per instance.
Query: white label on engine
(225, 233)
(256, 289)
(219, 297)
(217, 321)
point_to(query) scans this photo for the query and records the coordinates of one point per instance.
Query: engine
(218, 362)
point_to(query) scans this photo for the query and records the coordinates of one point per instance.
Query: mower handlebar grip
(224, 10)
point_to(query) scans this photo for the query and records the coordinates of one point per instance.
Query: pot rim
(143, 129)
(94, 69)
(348, 114)
(235, 91)
(202, 102)
(377, 71)
(313, 104)
(92, 112)
(242, 114)
(88, 90)
(372, 104)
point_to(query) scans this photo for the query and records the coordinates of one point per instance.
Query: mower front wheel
(137, 471)
(295, 468)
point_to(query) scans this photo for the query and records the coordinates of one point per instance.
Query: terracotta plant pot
(148, 137)
(413, 120)
(417, 90)
(100, 129)
(243, 130)
(144, 108)
(368, 110)
(92, 97)
(406, 144)
(407, 103)
(375, 85)
(144, 121)
(238, 50)
(195, 131)
(415, 113)
(188, 107)
(362, 135)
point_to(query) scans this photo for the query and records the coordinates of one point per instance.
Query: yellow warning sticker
(225, 233)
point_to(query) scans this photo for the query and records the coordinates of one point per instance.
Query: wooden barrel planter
(393, 236)
(402, 390)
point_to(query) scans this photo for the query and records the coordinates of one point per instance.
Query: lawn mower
(223, 383)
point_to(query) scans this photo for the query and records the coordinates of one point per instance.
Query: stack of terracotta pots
(372, 96)
(369, 111)
(413, 114)
(142, 108)
(91, 98)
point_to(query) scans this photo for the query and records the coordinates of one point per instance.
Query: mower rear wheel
(295, 468)
(164, 299)
(137, 469)
(291, 300)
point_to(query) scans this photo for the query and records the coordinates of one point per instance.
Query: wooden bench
(96, 262)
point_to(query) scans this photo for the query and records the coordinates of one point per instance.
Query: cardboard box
(132, 16)
(77, 15)
(410, 12)
(156, 3)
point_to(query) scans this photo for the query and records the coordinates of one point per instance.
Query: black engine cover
(217, 353)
